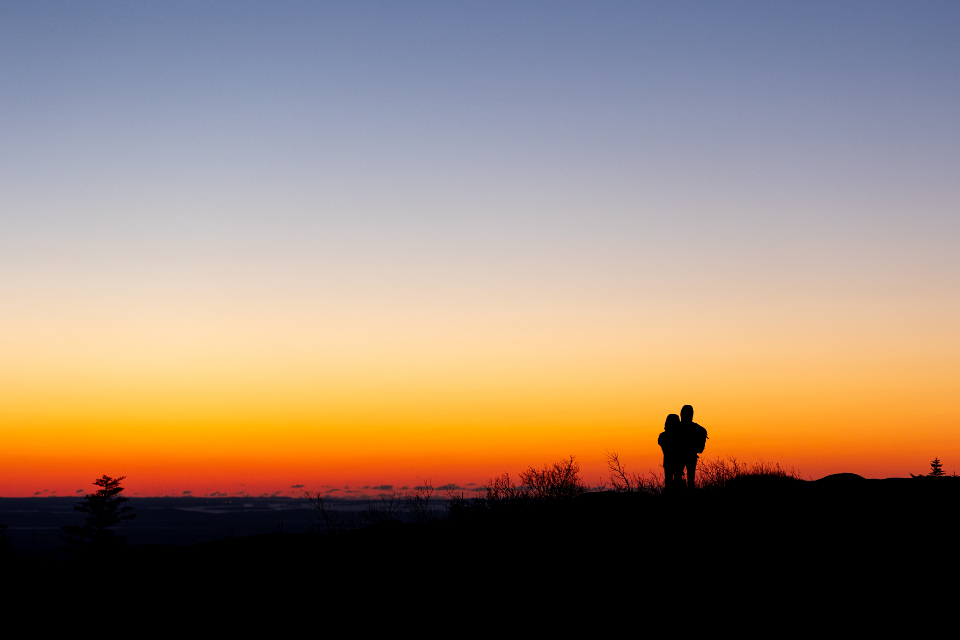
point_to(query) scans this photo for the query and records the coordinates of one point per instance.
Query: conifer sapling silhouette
(936, 468)
(104, 509)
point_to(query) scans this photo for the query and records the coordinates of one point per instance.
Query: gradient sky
(245, 246)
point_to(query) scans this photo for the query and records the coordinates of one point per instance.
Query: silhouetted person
(694, 440)
(672, 443)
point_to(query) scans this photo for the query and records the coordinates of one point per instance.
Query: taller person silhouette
(694, 441)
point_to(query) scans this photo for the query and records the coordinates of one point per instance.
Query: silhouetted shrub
(104, 509)
(556, 482)
(458, 504)
(501, 493)
(386, 506)
(417, 502)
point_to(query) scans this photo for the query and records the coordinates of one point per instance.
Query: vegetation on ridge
(104, 509)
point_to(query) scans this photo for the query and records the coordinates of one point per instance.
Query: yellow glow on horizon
(351, 397)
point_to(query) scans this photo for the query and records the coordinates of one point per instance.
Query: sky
(247, 245)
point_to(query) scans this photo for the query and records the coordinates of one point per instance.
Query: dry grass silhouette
(717, 474)
(549, 485)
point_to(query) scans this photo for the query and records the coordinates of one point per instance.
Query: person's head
(686, 414)
(672, 419)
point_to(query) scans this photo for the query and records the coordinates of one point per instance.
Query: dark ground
(773, 538)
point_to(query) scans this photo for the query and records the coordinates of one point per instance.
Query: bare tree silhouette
(621, 480)
(329, 521)
(417, 502)
(387, 506)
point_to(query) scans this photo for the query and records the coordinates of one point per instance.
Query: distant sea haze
(38, 521)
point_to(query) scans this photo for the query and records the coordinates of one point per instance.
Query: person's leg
(670, 473)
(672, 479)
(678, 475)
(691, 471)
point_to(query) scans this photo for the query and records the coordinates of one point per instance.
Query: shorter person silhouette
(672, 443)
(694, 439)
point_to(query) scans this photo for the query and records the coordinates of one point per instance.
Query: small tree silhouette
(936, 468)
(104, 509)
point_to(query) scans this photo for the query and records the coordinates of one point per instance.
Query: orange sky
(457, 396)
(351, 244)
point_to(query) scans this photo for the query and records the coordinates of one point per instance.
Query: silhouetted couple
(682, 440)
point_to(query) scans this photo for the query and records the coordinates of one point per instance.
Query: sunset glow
(340, 246)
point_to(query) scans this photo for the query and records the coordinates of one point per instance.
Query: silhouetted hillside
(799, 530)
(753, 546)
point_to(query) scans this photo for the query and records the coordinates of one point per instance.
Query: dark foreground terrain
(774, 536)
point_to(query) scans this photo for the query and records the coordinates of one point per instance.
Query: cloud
(404, 488)
(332, 490)
(275, 494)
(296, 486)
(79, 491)
(215, 494)
(36, 493)
(186, 493)
(471, 484)
(451, 487)
(382, 487)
